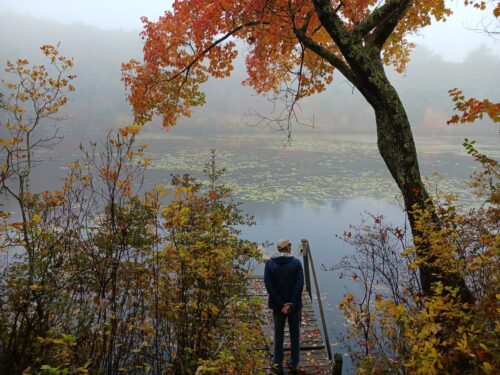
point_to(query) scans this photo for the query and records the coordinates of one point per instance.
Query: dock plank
(313, 354)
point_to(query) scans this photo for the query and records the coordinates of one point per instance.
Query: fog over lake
(311, 187)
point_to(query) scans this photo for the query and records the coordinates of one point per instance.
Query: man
(284, 280)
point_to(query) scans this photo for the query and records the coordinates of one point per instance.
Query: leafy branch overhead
(291, 45)
(472, 109)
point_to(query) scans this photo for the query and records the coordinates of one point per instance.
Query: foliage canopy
(291, 48)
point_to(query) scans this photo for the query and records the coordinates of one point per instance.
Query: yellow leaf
(36, 218)
(134, 129)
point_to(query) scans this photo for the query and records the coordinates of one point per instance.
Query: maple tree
(293, 48)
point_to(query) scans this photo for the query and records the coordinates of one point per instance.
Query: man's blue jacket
(284, 280)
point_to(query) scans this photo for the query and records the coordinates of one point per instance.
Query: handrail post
(305, 254)
(307, 250)
(337, 364)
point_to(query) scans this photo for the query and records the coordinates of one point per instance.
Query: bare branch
(490, 28)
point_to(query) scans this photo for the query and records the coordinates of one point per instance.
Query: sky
(453, 39)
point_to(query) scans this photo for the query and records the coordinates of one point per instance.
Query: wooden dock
(313, 353)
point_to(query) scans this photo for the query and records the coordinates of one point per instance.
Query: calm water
(312, 188)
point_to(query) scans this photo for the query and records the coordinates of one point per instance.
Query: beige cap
(283, 243)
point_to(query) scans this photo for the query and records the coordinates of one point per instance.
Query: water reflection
(320, 226)
(313, 188)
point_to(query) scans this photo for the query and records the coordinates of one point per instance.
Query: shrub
(106, 277)
(392, 326)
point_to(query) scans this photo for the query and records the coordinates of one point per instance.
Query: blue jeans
(279, 335)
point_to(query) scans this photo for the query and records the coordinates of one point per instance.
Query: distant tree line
(99, 104)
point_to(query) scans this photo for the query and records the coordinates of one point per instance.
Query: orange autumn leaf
(287, 42)
(17, 225)
(123, 132)
(472, 109)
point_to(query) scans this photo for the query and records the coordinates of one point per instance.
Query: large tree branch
(378, 16)
(324, 53)
(386, 26)
(332, 23)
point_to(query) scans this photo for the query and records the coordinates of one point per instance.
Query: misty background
(311, 189)
(99, 102)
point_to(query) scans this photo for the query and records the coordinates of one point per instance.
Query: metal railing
(337, 359)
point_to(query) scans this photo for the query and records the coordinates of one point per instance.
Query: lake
(314, 188)
(311, 188)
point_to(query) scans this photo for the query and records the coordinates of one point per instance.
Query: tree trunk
(397, 148)
(362, 65)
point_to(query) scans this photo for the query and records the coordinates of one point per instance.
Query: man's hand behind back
(287, 308)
